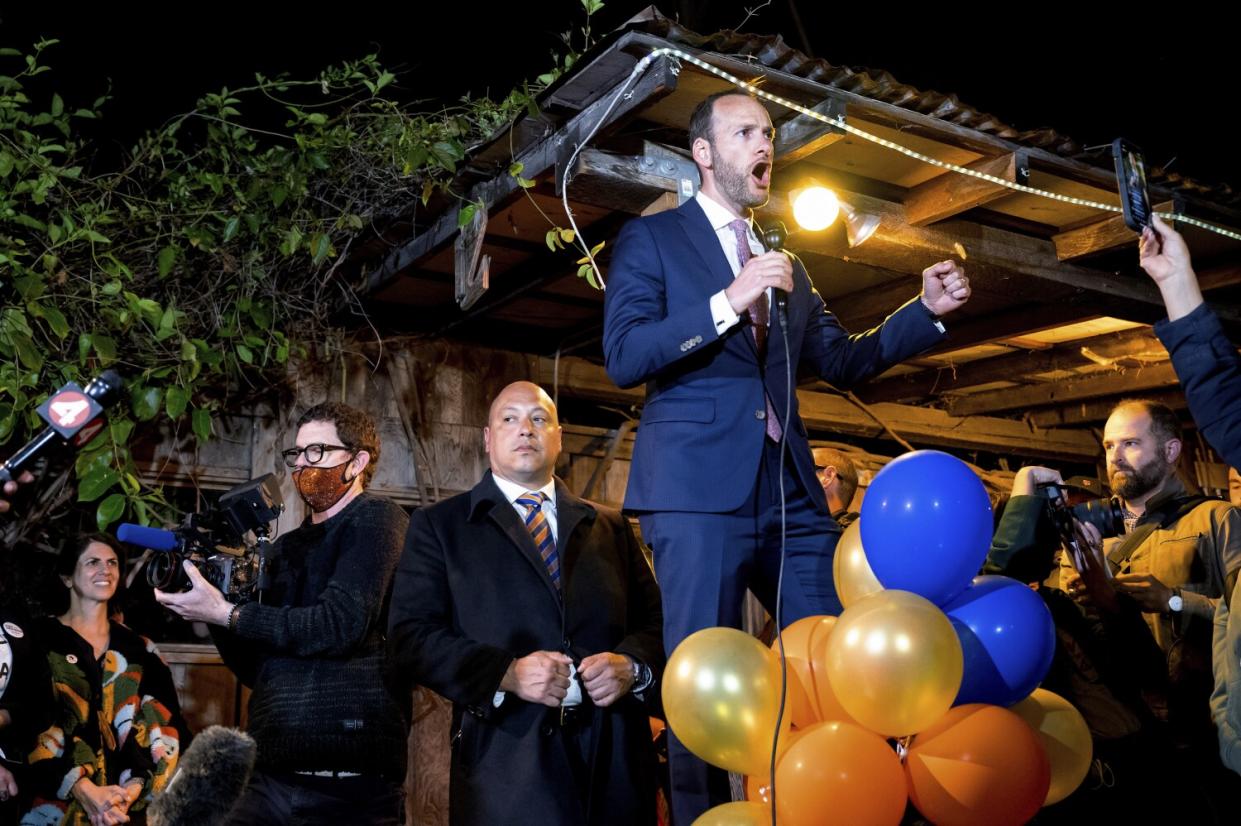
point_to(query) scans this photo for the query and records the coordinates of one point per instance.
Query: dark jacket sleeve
(1209, 368)
(1025, 542)
(28, 696)
(642, 334)
(350, 606)
(847, 360)
(423, 645)
(644, 641)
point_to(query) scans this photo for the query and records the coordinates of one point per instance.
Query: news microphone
(156, 539)
(73, 415)
(773, 239)
(209, 781)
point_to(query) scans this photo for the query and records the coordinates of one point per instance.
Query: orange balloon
(979, 765)
(1065, 737)
(850, 570)
(758, 786)
(839, 774)
(737, 813)
(805, 645)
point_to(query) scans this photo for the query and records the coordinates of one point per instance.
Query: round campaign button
(14, 630)
(72, 659)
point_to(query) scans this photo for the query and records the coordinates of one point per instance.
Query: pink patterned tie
(760, 318)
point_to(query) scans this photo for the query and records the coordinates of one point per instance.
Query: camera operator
(331, 734)
(1168, 565)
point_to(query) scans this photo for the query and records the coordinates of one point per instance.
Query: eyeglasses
(314, 453)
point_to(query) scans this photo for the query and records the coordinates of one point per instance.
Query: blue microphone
(156, 539)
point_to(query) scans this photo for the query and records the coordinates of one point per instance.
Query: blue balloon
(926, 525)
(1007, 637)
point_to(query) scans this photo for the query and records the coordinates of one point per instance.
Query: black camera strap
(1152, 521)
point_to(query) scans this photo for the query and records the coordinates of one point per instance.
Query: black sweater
(313, 651)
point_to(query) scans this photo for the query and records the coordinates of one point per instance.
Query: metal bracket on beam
(471, 268)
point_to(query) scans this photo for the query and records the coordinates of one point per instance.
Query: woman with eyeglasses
(117, 732)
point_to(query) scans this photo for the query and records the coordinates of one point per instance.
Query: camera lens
(164, 572)
(1105, 514)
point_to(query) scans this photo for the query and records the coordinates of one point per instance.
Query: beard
(734, 182)
(1129, 483)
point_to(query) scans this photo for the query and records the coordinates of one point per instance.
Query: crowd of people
(537, 614)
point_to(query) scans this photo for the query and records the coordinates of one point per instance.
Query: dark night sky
(1088, 78)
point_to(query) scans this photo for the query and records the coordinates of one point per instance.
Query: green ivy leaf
(175, 401)
(245, 354)
(105, 348)
(466, 214)
(109, 510)
(230, 228)
(96, 483)
(201, 423)
(120, 430)
(166, 258)
(55, 320)
(26, 351)
(145, 402)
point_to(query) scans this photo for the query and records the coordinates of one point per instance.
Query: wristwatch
(1175, 603)
(641, 675)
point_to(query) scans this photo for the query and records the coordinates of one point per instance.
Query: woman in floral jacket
(118, 729)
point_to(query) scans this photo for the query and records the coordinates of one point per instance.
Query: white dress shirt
(512, 491)
(720, 217)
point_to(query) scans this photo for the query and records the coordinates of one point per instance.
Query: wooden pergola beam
(801, 136)
(948, 378)
(953, 193)
(659, 81)
(1095, 412)
(999, 262)
(834, 414)
(1105, 234)
(1092, 386)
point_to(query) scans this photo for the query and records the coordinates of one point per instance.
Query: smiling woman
(117, 729)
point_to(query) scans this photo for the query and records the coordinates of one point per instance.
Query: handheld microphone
(773, 239)
(156, 539)
(73, 415)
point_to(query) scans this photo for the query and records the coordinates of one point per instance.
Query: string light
(927, 159)
(840, 123)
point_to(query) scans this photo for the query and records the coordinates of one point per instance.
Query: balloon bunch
(902, 697)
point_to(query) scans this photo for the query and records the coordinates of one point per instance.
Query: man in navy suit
(688, 312)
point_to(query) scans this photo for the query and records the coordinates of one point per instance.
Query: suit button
(760, 414)
(548, 731)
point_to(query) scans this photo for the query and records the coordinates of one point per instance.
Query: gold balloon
(721, 696)
(895, 662)
(1065, 736)
(852, 573)
(740, 813)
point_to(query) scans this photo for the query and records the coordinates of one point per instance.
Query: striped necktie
(541, 532)
(760, 317)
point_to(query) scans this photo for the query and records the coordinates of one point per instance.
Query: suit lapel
(695, 224)
(501, 513)
(571, 512)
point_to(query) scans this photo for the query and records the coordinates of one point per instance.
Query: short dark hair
(355, 428)
(846, 471)
(71, 552)
(700, 120)
(1165, 425)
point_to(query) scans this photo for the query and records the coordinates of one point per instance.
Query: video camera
(1078, 498)
(217, 541)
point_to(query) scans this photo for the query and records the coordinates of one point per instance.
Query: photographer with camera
(331, 734)
(1159, 554)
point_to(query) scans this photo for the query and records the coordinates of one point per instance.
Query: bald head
(522, 435)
